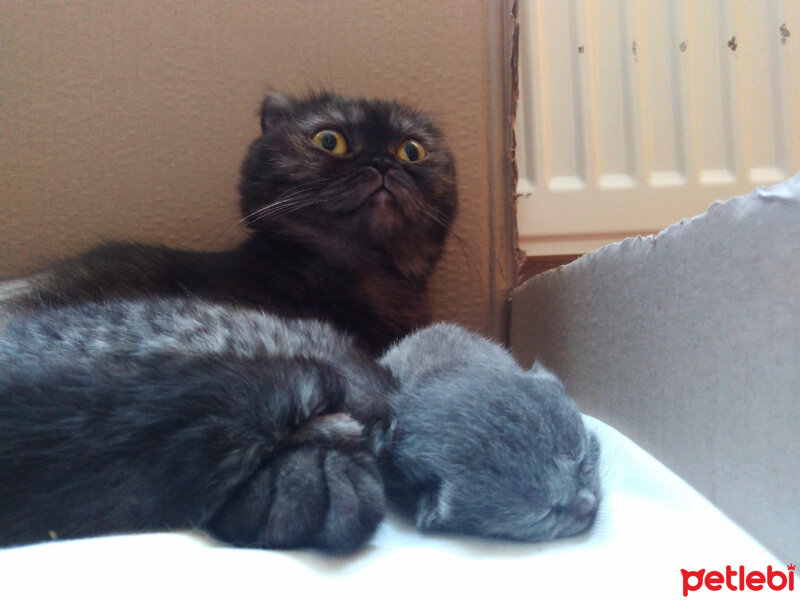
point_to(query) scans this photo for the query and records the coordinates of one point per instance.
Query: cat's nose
(382, 163)
(584, 504)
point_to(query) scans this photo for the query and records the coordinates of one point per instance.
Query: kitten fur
(148, 415)
(350, 239)
(482, 446)
(160, 414)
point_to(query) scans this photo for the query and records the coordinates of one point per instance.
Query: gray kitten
(482, 446)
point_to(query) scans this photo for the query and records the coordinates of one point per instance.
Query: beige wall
(129, 119)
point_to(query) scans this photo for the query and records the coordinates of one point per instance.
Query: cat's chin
(383, 216)
(382, 199)
(379, 212)
(377, 191)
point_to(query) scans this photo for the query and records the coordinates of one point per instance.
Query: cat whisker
(276, 206)
(468, 250)
(284, 208)
(292, 193)
(299, 194)
(285, 198)
(435, 215)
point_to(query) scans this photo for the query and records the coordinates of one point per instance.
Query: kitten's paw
(323, 490)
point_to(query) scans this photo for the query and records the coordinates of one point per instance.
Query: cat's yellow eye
(411, 151)
(331, 141)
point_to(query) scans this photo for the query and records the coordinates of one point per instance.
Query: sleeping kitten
(163, 414)
(349, 202)
(482, 446)
(140, 415)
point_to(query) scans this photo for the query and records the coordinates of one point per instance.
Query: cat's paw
(374, 413)
(319, 398)
(323, 490)
(377, 429)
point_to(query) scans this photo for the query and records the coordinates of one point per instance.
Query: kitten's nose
(584, 504)
(382, 163)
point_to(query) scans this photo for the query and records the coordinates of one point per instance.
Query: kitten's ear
(539, 370)
(273, 108)
(433, 508)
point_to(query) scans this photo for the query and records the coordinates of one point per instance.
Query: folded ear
(434, 508)
(273, 108)
(540, 371)
(538, 368)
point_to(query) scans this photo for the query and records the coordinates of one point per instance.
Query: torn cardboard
(689, 342)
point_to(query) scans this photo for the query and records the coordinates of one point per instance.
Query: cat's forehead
(363, 117)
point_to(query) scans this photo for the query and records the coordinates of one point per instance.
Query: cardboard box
(689, 342)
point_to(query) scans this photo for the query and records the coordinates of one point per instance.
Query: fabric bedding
(651, 524)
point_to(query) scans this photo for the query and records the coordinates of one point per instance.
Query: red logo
(738, 580)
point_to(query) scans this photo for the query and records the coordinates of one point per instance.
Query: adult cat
(349, 202)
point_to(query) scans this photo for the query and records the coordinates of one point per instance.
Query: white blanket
(650, 525)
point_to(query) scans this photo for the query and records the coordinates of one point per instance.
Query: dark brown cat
(349, 202)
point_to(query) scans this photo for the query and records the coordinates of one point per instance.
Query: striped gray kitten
(142, 415)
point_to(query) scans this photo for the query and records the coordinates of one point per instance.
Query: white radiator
(635, 114)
